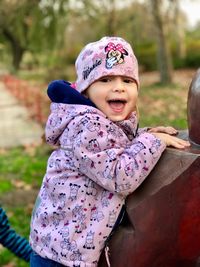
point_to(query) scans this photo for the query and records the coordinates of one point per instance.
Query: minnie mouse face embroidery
(115, 54)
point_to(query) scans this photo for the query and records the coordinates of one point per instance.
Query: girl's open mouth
(117, 105)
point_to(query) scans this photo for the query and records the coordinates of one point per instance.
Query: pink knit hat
(108, 56)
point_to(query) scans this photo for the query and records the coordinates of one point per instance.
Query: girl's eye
(105, 80)
(128, 80)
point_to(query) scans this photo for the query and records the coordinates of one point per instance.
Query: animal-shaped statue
(162, 224)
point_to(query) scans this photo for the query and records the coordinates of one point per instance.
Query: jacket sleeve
(11, 240)
(114, 162)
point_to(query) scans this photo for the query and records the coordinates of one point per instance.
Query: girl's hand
(173, 141)
(162, 129)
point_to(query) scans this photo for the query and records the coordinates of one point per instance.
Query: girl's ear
(85, 94)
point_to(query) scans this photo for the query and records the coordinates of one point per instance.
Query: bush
(193, 55)
(146, 54)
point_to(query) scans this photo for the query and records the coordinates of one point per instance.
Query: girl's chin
(116, 118)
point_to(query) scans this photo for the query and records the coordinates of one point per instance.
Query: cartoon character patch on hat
(115, 54)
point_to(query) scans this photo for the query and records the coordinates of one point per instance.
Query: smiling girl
(101, 158)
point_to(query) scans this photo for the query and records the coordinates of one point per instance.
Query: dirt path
(16, 128)
(182, 77)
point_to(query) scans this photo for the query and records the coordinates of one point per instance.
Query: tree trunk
(163, 52)
(111, 25)
(18, 52)
(16, 48)
(180, 33)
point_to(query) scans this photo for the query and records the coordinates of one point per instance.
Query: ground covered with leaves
(166, 104)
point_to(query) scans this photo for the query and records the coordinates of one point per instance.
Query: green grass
(21, 164)
(163, 105)
(19, 219)
(20, 167)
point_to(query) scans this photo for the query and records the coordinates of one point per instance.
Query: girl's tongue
(117, 105)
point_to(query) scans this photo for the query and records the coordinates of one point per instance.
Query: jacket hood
(61, 115)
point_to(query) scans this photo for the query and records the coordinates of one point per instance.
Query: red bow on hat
(111, 46)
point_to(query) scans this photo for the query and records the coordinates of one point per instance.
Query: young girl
(11, 240)
(101, 158)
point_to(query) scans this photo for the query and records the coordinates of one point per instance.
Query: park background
(39, 42)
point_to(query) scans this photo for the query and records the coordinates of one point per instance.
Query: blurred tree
(30, 25)
(90, 20)
(93, 19)
(170, 25)
(102, 12)
(163, 50)
(179, 28)
(54, 31)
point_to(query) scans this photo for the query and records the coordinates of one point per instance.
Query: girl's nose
(119, 90)
(118, 85)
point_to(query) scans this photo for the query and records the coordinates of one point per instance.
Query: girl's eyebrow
(107, 76)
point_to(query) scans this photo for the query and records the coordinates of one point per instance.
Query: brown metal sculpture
(193, 110)
(162, 224)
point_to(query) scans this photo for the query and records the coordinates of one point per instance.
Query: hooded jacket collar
(62, 114)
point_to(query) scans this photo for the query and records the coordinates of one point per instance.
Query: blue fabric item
(38, 261)
(60, 91)
(11, 240)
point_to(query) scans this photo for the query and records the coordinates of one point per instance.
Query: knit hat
(108, 56)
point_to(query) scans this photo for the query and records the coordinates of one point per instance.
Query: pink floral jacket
(96, 165)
